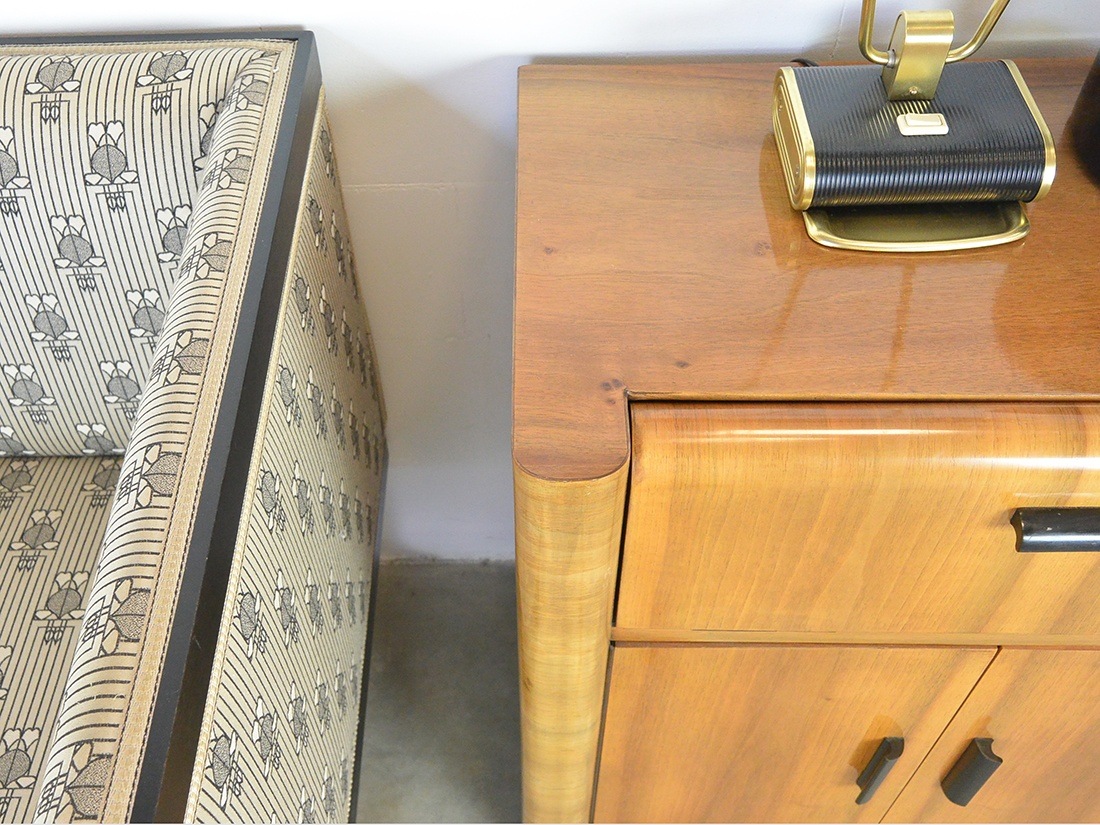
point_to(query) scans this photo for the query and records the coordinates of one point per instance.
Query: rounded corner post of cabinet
(568, 535)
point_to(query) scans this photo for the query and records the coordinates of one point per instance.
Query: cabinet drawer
(857, 518)
(770, 733)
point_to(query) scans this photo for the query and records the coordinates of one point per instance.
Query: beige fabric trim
(104, 722)
(280, 726)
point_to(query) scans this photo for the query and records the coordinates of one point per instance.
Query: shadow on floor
(441, 742)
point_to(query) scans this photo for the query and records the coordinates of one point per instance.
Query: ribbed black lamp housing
(994, 149)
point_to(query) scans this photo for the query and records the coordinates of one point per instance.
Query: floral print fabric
(101, 154)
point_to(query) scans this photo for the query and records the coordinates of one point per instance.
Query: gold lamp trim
(1050, 158)
(919, 228)
(796, 143)
(920, 47)
(985, 28)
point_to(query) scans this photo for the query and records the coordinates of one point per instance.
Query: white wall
(422, 99)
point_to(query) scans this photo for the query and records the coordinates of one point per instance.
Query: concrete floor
(441, 741)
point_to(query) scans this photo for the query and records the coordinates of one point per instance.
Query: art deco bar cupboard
(765, 490)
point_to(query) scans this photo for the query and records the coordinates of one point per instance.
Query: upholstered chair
(191, 436)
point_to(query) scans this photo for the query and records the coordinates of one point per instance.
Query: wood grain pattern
(1042, 710)
(657, 257)
(769, 734)
(872, 518)
(568, 536)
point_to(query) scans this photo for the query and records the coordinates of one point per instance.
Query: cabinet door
(1041, 708)
(765, 733)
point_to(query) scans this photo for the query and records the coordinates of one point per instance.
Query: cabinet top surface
(657, 256)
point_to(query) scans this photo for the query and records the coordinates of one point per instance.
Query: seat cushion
(102, 149)
(53, 514)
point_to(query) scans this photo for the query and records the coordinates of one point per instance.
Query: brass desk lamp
(926, 154)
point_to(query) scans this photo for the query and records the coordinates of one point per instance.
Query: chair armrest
(170, 484)
(289, 670)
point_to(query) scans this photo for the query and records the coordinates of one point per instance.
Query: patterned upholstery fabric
(98, 741)
(101, 150)
(132, 178)
(281, 721)
(53, 512)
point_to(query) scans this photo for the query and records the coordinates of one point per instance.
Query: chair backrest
(102, 153)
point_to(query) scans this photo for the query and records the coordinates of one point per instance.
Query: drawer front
(858, 518)
(700, 733)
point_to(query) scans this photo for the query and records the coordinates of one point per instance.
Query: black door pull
(974, 767)
(888, 752)
(1057, 529)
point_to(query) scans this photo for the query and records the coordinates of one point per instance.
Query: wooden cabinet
(769, 733)
(764, 489)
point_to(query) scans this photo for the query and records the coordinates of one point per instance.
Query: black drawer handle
(974, 767)
(889, 751)
(1057, 529)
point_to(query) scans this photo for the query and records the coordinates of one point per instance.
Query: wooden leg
(568, 535)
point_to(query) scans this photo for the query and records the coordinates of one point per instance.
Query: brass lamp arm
(867, 25)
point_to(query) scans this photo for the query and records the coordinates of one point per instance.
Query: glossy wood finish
(657, 256)
(844, 518)
(769, 733)
(1042, 710)
(567, 546)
